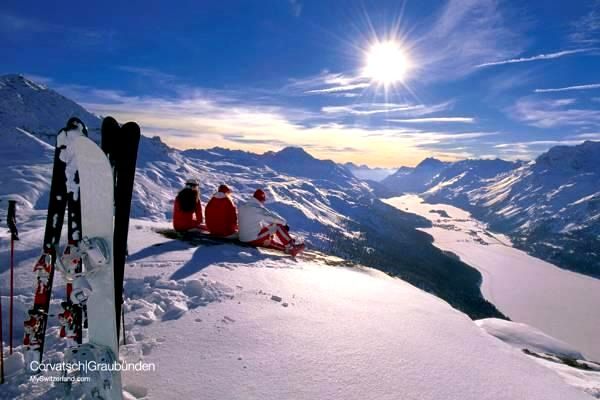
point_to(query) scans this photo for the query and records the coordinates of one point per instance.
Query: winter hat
(192, 182)
(224, 189)
(260, 195)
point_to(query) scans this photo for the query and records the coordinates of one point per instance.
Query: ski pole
(123, 318)
(1, 346)
(11, 220)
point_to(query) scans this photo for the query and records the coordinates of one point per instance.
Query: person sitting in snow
(187, 211)
(264, 228)
(221, 214)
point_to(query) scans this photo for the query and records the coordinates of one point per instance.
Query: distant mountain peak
(431, 162)
(580, 157)
(39, 110)
(17, 80)
(294, 152)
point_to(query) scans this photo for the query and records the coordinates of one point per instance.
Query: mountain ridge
(321, 200)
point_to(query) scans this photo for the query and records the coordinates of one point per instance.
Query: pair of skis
(95, 190)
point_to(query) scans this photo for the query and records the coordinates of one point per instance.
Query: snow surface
(522, 336)
(548, 206)
(563, 304)
(301, 329)
(224, 322)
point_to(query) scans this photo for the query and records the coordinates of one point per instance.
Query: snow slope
(562, 303)
(302, 329)
(37, 109)
(550, 207)
(222, 322)
(552, 353)
(523, 336)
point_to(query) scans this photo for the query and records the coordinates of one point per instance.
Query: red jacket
(184, 221)
(221, 215)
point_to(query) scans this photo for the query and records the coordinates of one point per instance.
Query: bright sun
(387, 63)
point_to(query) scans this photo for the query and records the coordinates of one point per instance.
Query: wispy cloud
(466, 33)
(462, 34)
(296, 7)
(340, 88)
(464, 120)
(507, 81)
(204, 118)
(525, 150)
(586, 30)
(586, 136)
(328, 83)
(408, 109)
(565, 89)
(538, 57)
(553, 113)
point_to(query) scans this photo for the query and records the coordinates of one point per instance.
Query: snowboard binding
(81, 290)
(92, 251)
(70, 260)
(101, 379)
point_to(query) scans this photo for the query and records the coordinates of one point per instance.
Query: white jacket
(252, 217)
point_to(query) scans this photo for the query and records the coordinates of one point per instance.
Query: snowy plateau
(374, 311)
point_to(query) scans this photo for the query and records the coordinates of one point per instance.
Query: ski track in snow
(562, 303)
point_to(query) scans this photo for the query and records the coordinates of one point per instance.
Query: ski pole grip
(11, 219)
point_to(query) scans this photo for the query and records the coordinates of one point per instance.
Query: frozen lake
(563, 304)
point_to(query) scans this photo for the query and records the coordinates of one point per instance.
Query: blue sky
(483, 78)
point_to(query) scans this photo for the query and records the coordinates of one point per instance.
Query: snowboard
(204, 238)
(35, 325)
(96, 197)
(120, 143)
(200, 237)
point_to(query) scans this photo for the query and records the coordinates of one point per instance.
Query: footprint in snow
(136, 391)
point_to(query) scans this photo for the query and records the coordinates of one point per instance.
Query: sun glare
(387, 63)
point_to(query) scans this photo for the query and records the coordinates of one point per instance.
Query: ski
(94, 287)
(35, 326)
(71, 319)
(120, 143)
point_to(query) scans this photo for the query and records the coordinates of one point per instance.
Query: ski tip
(132, 127)
(109, 124)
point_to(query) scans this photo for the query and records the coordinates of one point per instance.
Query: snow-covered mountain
(323, 201)
(367, 173)
(252, 324)
(414, 180)
(550, 206)
(37, 109)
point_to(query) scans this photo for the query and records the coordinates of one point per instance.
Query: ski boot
(294, 248)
